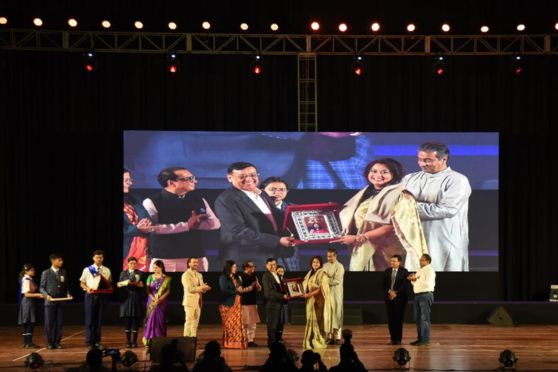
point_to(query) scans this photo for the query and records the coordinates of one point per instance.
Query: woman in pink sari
(158, 289)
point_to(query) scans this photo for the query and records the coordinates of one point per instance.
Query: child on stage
(28, 293)
(130, 309)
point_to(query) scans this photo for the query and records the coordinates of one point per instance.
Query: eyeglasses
(282, 189)
(242, 177)
(187, 179)
(384, 172)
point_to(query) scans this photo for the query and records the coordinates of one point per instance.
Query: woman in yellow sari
(319, 309)
(158, 289)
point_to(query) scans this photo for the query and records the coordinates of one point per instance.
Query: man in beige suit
(194, 287)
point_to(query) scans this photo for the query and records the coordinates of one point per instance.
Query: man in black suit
(274, 300)
(395, 292)
(250, 225)
(54, 284)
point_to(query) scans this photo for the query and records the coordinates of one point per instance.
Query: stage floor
(454, 347)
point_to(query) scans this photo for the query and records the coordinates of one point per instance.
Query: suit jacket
(273, 292)
(245, 230)
(401, 285)
(192, 281)
(54, 285)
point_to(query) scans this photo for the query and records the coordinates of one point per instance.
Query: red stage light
(358, 70)
(518, 70)
(173, 69)
(257, 69)
(89, 67)
(440, 71)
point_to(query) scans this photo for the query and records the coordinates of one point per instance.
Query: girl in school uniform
(28, 293)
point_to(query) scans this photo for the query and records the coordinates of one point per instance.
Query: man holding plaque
(274, 299)
(335, 271)
(95, 281)
(249, 221)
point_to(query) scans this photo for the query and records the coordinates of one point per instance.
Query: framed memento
(313, 223)
(294, 287)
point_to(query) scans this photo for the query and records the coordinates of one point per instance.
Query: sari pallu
(319, 311)
(154, 323)
(231, 320)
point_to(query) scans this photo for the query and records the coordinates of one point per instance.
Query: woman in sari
(382, 220)
(230, 307)
(137, 225)
(158, 289)
(319, 309)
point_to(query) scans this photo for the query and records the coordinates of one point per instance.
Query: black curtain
(61, 141)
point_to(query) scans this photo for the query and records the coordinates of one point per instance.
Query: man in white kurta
(335, 271)
(442, 196)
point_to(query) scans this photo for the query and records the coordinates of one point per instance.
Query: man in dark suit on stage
(250, 225)
(54, 285)
(274, 300)
(395, 293)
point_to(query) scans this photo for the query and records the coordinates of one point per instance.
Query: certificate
(123, 283)
(58, 299)
(313, 223)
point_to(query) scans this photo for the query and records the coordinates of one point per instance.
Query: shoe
(128, 345)
(252, 344)
(50, 346)
(33, 346)
(26, 346)
(416, 342)
(134, 345)
(58, 346)
(423, 343)
(99, 346)
(91, 347)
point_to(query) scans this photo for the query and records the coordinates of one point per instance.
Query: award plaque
(294, 287)
(313, 223)
(101, 286)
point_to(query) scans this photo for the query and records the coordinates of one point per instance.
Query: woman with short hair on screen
(382, 220)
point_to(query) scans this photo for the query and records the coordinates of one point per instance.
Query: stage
(454, 347)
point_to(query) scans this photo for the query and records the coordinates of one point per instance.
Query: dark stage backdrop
(61, 139)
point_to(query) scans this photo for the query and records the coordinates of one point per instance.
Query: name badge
(61, 279)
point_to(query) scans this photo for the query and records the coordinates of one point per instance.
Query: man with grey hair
(442, 196)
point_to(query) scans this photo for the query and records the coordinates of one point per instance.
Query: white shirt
(426, 280)
(258, 200)
(86, 275)
(276, 277)
(210, 223)
(26, 286)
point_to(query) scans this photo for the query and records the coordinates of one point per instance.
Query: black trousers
(274, 323)
(396, 317)
(53, 322)
(94, 305)
(131, 323)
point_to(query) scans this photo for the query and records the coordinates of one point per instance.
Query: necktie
(393, 275)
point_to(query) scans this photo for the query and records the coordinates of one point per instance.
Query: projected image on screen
(225, 195)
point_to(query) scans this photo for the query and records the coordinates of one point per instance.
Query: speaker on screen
(500, 318)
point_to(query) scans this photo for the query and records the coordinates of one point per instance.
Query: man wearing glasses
(178, 216)
(250, 222)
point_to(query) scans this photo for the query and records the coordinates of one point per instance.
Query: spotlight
(129, 359)
(556, 26)
(375, 27)
(89, 62)
(358, 66)
(138, 25)
(484, 29)
(507, 359)
(257, 67)
(37, 22)
(105, 23)
(244, 26)
(446, 27)
(439, 66)
(34, 361)
(343, 27)
(172, 63)
(3, 21)
(401, 357)
(520, 27)
(315, 26)
(72, 22)
(411, 27)
(206, 25)
(517, 65)
(172, 26)
(274, 27)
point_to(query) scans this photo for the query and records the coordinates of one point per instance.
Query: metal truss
(276, 44)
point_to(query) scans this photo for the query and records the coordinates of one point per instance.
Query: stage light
(517, 65)
(244, 26)
(129, 358)
(3, 21)
(358, 66)
(172, 26)
(446, 27)
(556, 26)
(315, 26)
(342, 27)
(138, 25)
(401, 357)
(206, 25)
(439, 66)
(72, 22)
(520, 27)
(257, 67)
(484, 29)
(411, 27)
(89, 62)
(34, 361)
(105, 23)
(173, 65)
(375, 27)
(507, 359)
(37, 22)
(274, 27)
